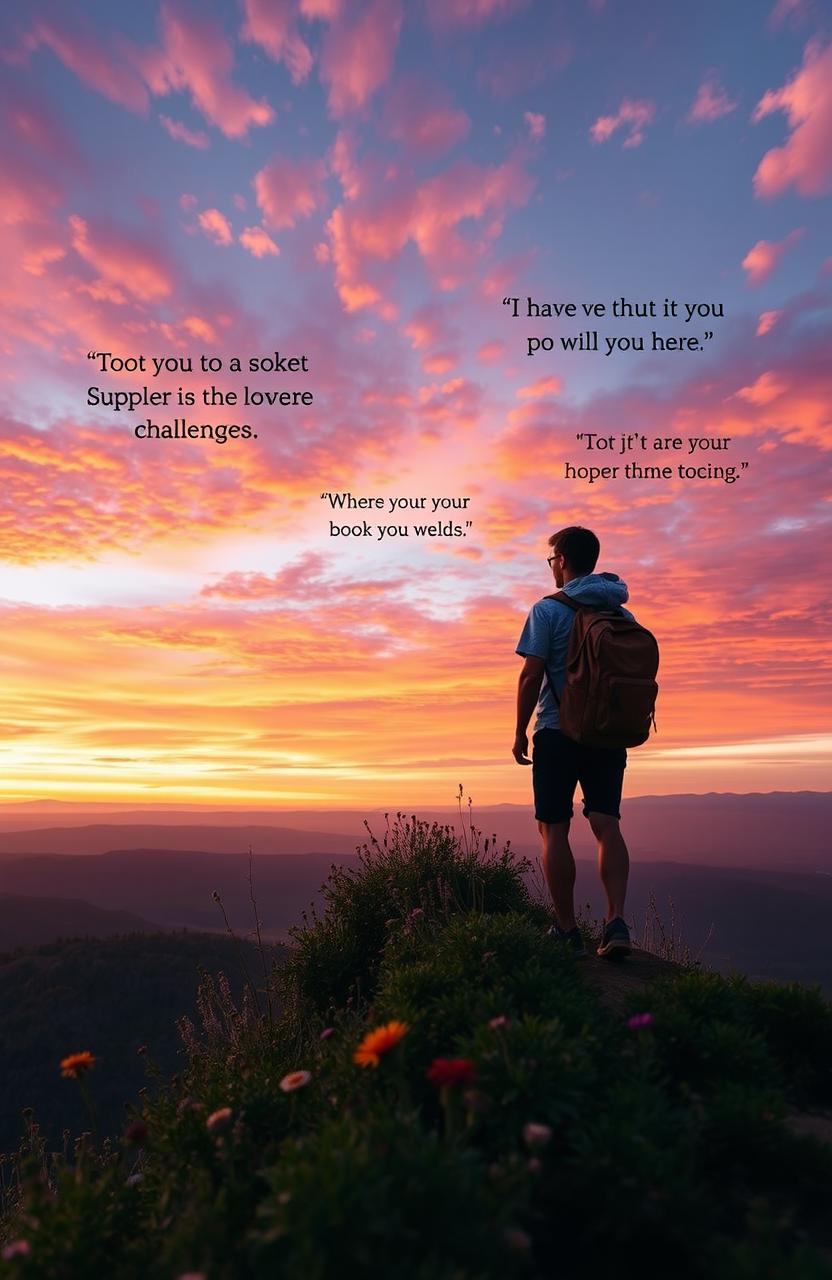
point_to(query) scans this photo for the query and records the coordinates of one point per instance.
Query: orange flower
(375, 1043)
(76, 1064)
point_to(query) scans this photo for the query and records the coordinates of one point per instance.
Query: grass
(554, 1139)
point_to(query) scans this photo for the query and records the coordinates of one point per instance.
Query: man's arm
(528, 689)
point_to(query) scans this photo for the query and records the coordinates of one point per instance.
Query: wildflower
(534, 1165)
(536, 1135)
(326, 1033)
(16, 1249)
(517, 1239)
(639, 1021)
(444, 1072)
(74, 1066)
(295, 1080)
(218, 1120)
(136, 1133)
(378, 1042)
(133, 1180)
(498, 1023)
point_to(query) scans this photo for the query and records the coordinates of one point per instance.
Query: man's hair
(579, 547)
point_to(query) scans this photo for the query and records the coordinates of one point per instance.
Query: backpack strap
(563, 598)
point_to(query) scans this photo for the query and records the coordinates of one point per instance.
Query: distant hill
(779, 829)
(110, 996)
(176, 886)
(30, 921)
(771, 923)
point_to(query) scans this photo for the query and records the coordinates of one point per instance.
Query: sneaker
(615, 943)
(572, 937)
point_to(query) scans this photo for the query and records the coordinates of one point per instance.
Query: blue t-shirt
(546, 634)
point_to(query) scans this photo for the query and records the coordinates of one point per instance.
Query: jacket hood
(603, 590)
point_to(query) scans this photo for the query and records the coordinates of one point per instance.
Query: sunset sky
(361, 182)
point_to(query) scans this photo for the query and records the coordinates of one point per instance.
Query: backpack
(609, 698)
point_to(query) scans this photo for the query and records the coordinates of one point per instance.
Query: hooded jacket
(546, 634)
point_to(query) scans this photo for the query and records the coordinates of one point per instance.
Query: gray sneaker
(572, 937)
(615, 943)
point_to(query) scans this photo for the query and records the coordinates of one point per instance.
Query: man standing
(558, 762)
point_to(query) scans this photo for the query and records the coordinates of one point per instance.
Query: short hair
(579, 547)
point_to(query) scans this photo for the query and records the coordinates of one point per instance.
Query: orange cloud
(764, 389)
(805, 161)
(287, 190)
(762, 259)
(550, 386)
(632, 115)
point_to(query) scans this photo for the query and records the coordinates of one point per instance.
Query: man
(558, 762)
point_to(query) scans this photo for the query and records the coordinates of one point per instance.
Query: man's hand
(528, 688)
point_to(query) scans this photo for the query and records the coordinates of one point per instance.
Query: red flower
(444, 1072)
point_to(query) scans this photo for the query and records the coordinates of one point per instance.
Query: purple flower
(639, 1021)
(326, 1033)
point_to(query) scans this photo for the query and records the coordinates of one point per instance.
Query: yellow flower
(375, 1043)
(76, 1064)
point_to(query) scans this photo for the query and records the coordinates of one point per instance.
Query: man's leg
(559, 870)
(613, 860)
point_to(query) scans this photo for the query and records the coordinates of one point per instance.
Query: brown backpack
(609, 698)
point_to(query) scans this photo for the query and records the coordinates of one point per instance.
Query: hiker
(559, 761)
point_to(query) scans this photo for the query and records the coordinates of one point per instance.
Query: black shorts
(558, 764)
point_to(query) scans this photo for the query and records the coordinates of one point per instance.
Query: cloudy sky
(362, 183)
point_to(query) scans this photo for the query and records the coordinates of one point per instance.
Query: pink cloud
(270, 23)
(761, 260)
(110, 69)
(632, 115)
(767, 321)
(122, 259)
(490, 352)
(711, 103)
(546, 386)
(196, 57)
(344, 164)
(258, 242)
(764, 389)
(421, 117)
(288, 190)
(805, 161)
(427, 215)
(471, 13)
(193, 138)
(793, 12)
(188, 201)
(325, 9)
(216, 226)
(536, 124)
(358, 52)
(199, 328)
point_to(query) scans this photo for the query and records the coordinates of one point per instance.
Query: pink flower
(16, 1249)
(498, 1023)
(218, 1120)
(295, 1080)
(326, 1033)
(536, 1136)
(639, 1021)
